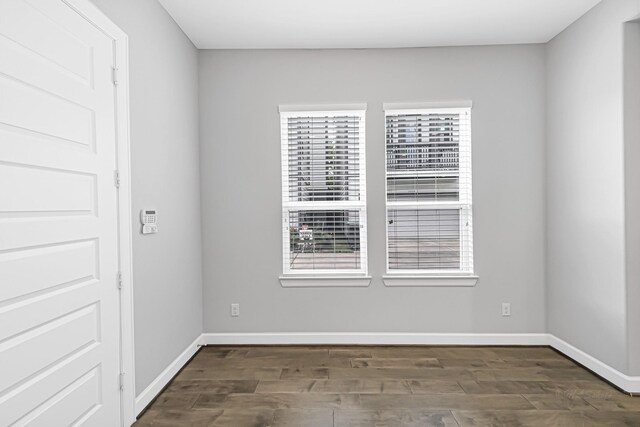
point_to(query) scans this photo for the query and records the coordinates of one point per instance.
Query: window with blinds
(428, 186)
(323, 192)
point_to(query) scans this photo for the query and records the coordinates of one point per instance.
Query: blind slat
(324, 239)
(428, 162)
(323, 171)
(323, 158)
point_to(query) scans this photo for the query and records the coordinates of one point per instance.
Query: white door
(59, 304)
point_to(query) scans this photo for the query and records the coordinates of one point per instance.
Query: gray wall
(588, 232)
(632, 188)
(586, 289)
(164, 162)
(241, 197)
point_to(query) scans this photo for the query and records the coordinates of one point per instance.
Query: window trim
(334, 281)
(434, 280)
(427, 105)
(393, 278)
(325, 277)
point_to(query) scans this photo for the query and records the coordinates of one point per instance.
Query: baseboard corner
(626, 383)
(160, 382)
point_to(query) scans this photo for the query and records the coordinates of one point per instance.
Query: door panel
(41, 112)
(59, 303)
(61, 191)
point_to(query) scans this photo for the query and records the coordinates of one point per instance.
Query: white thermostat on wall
(149, 220)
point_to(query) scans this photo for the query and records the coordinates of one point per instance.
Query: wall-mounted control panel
(149, 220)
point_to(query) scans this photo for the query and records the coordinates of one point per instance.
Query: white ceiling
(288, 24)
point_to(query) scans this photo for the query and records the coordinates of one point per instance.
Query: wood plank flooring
(388, 386)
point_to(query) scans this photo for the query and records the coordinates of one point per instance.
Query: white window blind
(323, 192)
(428, 186)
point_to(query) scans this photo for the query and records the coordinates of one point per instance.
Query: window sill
(325, 281)
(430, 281)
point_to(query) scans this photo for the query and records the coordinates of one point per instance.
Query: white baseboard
(623, 381)
(368, 338)
(156, 386)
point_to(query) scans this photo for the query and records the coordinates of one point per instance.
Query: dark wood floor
(388, 386)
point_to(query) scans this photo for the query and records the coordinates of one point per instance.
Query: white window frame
(464, 203)
(286, 112)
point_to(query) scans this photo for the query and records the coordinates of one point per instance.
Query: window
(428, 186)
(323, 192)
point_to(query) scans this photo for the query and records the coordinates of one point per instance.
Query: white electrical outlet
(506, 309)
(235, 310)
